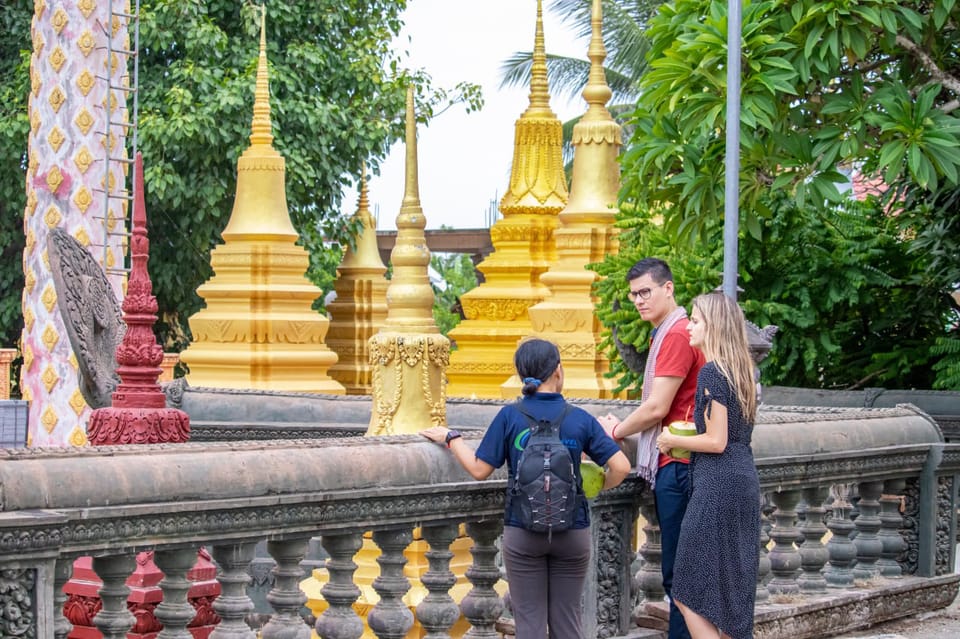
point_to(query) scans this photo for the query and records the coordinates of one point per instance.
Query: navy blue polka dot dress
(716, 566)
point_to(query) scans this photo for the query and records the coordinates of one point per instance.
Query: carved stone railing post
(840, 549)
(813, 554)
(114, 620)
(438, 611)
(61, 574)
(607, 604)
(339, 620)
(869, 544)
(286, 597)
(233, 603)
(784, 558)
(650, 576)
(890, 523)
(482, 605)
(175, 612)
(390, 618)
(763, 565)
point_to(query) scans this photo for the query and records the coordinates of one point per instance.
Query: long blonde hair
(725, 344)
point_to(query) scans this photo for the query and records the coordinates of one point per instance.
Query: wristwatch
(451, 435)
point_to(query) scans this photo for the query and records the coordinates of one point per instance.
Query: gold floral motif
(49, 377)
(49, 419)
(111, 261)
(82, 160)
(29, 280)
(57, 58)
(59, 20)
(27, 362)
(31, 240)
(86, 7)
(52, 217)
(84, 121)
(73, 360)
(82, 236)
(49, 297)
(56, 138)
(85, 82)
(31, 207)
(38, 42)
(56, 99)
(50, 337)
(111, 220)
(33, 163)
(39, 6)
(29, 318)
(116, 24)
(83, 199)
(35, 81)
(35, 122)
(86, 43)
(45, 259)
(77, 403)
(78, 438)
(54, 178)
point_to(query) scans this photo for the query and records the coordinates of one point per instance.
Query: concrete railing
(860, 519)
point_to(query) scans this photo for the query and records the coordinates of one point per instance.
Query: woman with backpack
(546, 535)
(715, 577)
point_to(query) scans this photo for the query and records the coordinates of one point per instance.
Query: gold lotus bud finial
(363, 202)
(597, 92)
(261, 127)
(411, 191)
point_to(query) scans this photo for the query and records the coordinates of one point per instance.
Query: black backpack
(545, 488)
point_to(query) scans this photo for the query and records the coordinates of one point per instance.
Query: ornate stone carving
(611, 569)
(910, 530)
(17, 597)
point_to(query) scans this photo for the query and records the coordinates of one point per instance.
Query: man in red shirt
(668, 396)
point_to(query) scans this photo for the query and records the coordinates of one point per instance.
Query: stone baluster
(114, 619)
(890, 523)
(482, 606)
(61, 575)
(175, 612)
(438, 611)
(840, 549)
(390, 618)
(233, 603)
(286, 597)
(869, 544)
(650, 576)
(339, 620)
(763, 565)
(784, 557)
(813, 554)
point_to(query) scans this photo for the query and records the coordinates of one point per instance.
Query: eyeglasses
(643, 293)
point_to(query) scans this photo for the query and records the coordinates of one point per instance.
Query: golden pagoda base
(409, 382)
(416, 566)
(491, 347)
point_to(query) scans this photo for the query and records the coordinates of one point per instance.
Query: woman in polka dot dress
(715, 577)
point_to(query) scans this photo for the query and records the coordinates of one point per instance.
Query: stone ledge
(837, 612)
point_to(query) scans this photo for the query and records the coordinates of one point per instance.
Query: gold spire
(496, 311)
(367, 254)
(258, 329)
(410, 296)
(260, 208)
(586, 236)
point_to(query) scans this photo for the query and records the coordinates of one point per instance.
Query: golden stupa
(360, 307)
(258, 329)
(586, 236)
(409, 356)
(496, 311)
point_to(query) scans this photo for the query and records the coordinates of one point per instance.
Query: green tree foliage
(459, 276)
(337, 98)
(825, 86)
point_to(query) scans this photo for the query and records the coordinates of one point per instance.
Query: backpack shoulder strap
(538, 423)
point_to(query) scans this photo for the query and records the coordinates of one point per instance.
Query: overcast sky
(464, 159)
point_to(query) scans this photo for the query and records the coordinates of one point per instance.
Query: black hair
(535, 360)
(658, 270)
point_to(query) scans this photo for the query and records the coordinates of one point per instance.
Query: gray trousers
(546, 581)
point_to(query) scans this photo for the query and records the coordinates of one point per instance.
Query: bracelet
(613, 434)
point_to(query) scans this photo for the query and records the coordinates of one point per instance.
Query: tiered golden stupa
(360, 308)
(258, 329)
(586, 236)
(409, 356)
(496, 311)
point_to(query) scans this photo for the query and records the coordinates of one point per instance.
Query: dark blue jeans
(671, 496)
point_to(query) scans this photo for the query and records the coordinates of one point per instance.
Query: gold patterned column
(496, 311)
(360, 308)
(7, 355)
(586, 236)
(409, 356)
(258, 329)
(67, 173)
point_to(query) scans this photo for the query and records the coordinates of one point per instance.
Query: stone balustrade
(859, 526)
